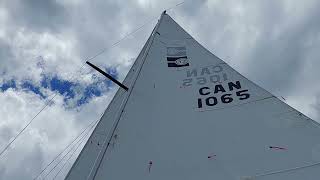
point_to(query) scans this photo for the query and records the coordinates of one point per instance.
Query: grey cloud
(5, 55)
(6, 59)
(6, 133)
(37, 15)
(110, 22)
(27, 161)
(277, 59)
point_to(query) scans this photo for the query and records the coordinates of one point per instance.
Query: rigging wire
(75, 150)
(79, 141)
(25, 127)
(71, 79)
(65, 155)
(56, 157)
(172, 7)
(33, 118)
(123, 38)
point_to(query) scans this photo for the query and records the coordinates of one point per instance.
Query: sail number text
(218, 94)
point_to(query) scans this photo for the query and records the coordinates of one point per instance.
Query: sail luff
(107, 144)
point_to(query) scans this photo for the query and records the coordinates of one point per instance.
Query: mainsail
(189, 115)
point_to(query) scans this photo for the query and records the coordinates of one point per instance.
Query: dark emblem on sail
(177, 57)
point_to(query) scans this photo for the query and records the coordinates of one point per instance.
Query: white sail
(189, 115)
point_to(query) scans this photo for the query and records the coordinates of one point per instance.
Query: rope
(56, 157)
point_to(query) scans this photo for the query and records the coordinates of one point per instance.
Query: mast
(188, 115)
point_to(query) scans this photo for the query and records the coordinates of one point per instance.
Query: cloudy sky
(44, 44)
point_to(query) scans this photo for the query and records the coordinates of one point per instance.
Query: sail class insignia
(177, 56)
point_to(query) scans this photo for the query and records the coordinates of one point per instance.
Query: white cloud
(26, 48)
(50, 132)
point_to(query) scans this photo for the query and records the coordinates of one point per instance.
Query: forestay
(188, 115)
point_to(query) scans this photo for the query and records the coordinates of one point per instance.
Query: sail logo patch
(177, 56)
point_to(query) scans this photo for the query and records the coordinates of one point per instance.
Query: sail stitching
(285, 170)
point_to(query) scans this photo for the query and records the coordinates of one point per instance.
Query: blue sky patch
(100, 85)
(69, 90)
(29, 86)
(8, 84)
(63, 87)
(112, 71)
